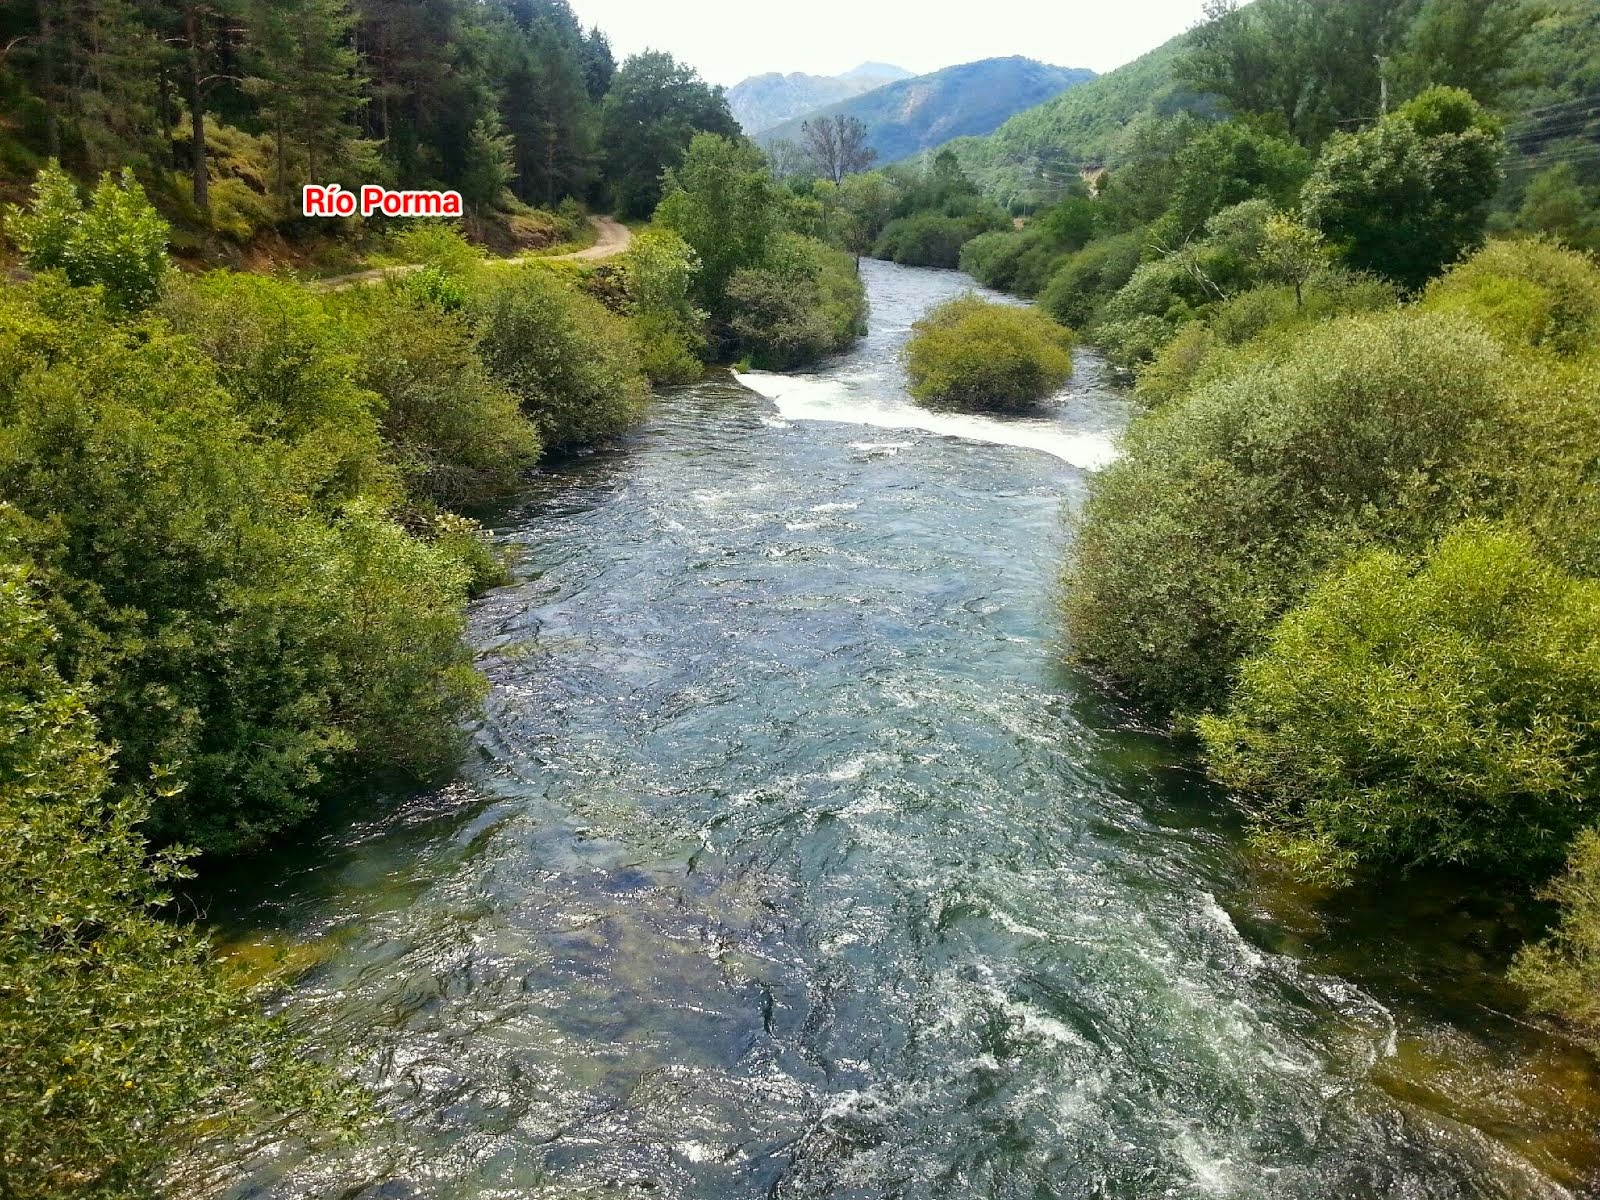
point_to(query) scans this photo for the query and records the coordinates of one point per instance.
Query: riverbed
(789, 860)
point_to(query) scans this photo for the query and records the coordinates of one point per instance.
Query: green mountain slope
(917, 114)
(1031, 152)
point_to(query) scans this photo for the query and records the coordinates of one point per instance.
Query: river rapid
(789, 861)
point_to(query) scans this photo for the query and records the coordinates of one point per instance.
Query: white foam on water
(798, 398)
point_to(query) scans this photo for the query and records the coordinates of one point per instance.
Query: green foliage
(1526, 293)
(974, 355)
(289, 371)
(1023, 261)
(1561, 973)
(436, 244)
(121, 1037)
(1165, 293)
(456, 434)
(117, 242)
(932, 239)
(806, 302)
(1085, 280)
(938, 211)
(1556, 204)
(658, 276)
(1226, 164)
(655, 109)
(723, 203)
(1259, 321)
(1442, 714)
(1227, 502)
(255, 629)
(1412, 193)
(572, 365)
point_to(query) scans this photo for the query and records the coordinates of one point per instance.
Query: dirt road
(612, 238)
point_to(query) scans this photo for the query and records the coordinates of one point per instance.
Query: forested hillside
(1031, 155)
(913, 115)
(225, 108)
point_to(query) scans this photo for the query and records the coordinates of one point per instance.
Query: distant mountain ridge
(763, 101)
(912, 115)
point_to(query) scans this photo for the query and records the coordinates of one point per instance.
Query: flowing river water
(789, 861)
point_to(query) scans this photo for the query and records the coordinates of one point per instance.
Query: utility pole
(1383, 84)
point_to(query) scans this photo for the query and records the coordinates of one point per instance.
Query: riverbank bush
(974, 355)
(1405, 714)
(579, 379)
(1527, 293)
(1251, 323)
(1561, 972)
(658, 273)
(252, 623)
(1085, 280)
(933, 239)
(121, 1038)
(775, 296)
(456, 435)
(1227, 502)
(809, 303)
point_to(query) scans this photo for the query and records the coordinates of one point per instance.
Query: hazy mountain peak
(922, 111)
(763, 101)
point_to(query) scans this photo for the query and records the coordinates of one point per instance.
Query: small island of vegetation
(975, 355)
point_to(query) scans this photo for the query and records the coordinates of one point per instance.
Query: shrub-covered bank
(232, 578)
(1352, 542)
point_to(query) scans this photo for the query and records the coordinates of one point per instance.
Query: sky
(727, 40)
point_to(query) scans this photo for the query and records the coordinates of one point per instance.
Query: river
(789, 861)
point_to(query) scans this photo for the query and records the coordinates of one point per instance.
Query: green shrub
(1079, 286)
(1442, 714)
(806, 304)
(1550, 458)
(121, 1038)
(1411, 193)
(457, 435)
(972, 355)
(118, 242)
(256, 632)
(1236, 329)
(992, 258)
(1561, 973)
(658, 273)
(929, 239)
(290, 371)
(437, 244)
(1226, 503)
(1531, 292)
(572, 365)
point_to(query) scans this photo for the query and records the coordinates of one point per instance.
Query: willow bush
(972, 355)
(1447, 712)
(1227, 503)
(1529, 293)
(573, 366)
(456, 434)
(121, 1038)
(254, 626)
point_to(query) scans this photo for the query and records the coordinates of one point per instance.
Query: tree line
(224, 108)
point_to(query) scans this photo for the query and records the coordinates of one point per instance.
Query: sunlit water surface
(788, 862)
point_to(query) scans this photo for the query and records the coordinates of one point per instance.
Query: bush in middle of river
(972, 354)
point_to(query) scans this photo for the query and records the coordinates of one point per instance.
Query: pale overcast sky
(727, 40)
